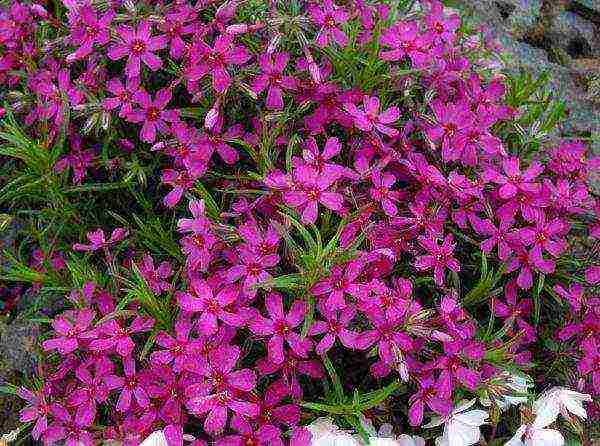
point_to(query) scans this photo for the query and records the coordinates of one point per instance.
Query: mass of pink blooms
(404, 197)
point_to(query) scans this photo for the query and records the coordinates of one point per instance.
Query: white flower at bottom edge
(156, 438)
(559, 400)
(536, 435)
(461, 427)
(325, 433)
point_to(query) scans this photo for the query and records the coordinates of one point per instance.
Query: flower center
(138, 47)
(152, 114)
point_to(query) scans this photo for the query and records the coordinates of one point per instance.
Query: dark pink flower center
(281, 327)
(152, 113)
(138, 47)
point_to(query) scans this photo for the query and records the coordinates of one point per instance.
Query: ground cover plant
(292, 222)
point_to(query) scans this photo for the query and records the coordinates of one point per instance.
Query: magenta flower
(130, 385)
(427, 395)
(252, 268)
(176, 25)
(119, 337)
(439, 257)
(153, 114)
(280, 328)
(155, 277)
(342, 281)
(273, 80)
(199, 223)
(71, 327)
(179, 350)
(453, 367)
(272, 410)
(405, 40)
(574, 295)
(39, 408)
(453, 123)
(78, 159)
(329, 17)
(217, 396)
(215, 61)
(335, 327)
(546, 236)
(87, 29)
(526, 263)
(91, 390)
(319, 160)
(139, 46)
(98, 240)
(247, 435)
(212, 306)
(589, 363)
(124, 95)
(369, 119)
(382, 193)
(515, 311)
(500, 236)
(513, 180)
(393, 344)
(313, 189)
(180, 181)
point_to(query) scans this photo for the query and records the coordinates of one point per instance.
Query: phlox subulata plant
(314, 207)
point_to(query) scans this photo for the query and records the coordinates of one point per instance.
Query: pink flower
(70, 327)
(335, 327)
(280, 328)
(181, 182)
(329, 17)
(130, 385)
(87, 29)
(119, 337)
(153, 114)
(217, 396)
(139, 46)
(272, 79)
(215, 61)
(341, 282)
(212, 306)
(98, 240)
(39, 408)
(178, 351)
(124, 95)
(439, 257)
(155, 277)
(405, 40)
(513, 180)
(427, 395)
(313, 189)
(369, 119)
(382, 193)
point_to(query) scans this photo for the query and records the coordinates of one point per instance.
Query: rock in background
(561, 37)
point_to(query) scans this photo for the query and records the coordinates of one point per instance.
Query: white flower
(536, 434)
(461, 427)
(325, 433)
(559, 400)
(156, 438)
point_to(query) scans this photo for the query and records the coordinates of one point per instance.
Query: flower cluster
(355, 187)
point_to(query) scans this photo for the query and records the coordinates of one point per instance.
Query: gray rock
(575, 35)
(17, 348)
